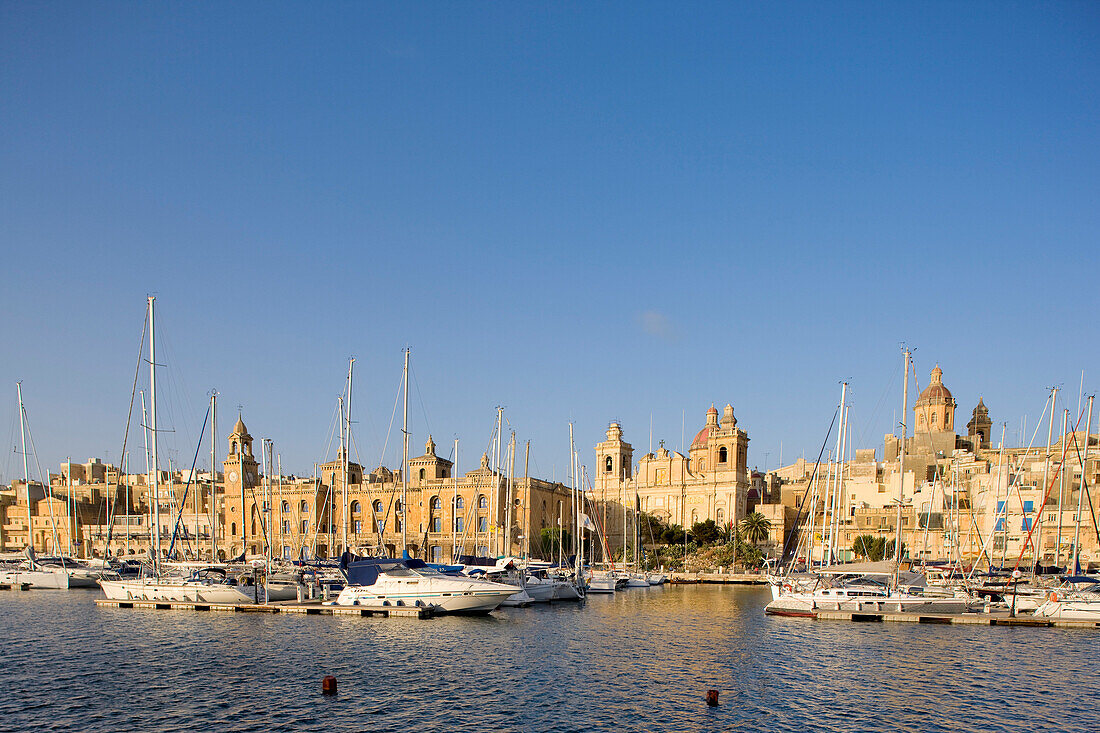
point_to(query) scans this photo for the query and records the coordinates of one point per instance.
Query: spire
(429, 447)
(937, 375)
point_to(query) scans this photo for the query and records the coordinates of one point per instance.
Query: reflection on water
(639, 660)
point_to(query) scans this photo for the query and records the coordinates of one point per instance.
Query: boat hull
(140, 590)
(36, 579)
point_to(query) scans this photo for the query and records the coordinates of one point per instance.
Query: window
(377, 506)
(286, 526)
(482, 524)
(1000, 507)
(933, 418)
(286, 507)
(233, 528)
(381, 526)
(437, 524)
(722, 455)
(482, 550)
(694, 516)
(437, 553)
(286, 552)
(458, 524)
(397, 523)
(358, 526)
(609, 464)
(482, 502)
(305, 526)
(460, 503)
(304, 507)
(1029, 506)
(398, 506)
(720, 516)
(422, 474)
(355, 507)
(1026, 524)
(437, 504)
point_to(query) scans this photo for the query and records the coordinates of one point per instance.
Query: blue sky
(579, 212)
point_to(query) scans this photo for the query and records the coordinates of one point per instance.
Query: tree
(672, 535)
(864, 546)
(549, 537)
(756, 528)
(706, 533)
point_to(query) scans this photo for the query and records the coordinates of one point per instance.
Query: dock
(972, 619)
(309, 608)
(717, 578)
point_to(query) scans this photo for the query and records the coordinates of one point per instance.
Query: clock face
(232, 475)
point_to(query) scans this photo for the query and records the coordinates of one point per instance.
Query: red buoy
(328, 686)
(712, 698)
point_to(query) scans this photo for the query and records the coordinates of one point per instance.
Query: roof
(701, 437)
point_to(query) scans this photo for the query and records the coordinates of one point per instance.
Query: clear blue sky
(578, 211)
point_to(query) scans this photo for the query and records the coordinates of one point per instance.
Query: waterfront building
(711, 482)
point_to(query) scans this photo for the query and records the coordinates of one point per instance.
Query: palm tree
(756, 527)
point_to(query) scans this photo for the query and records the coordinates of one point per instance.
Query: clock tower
(242, 475)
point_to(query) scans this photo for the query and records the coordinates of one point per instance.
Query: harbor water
(639, 660)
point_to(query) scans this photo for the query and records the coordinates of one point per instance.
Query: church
(711, 482)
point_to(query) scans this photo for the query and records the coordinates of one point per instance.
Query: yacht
(206, 585)
(868, 593)
(410, 582)
(1074, 602)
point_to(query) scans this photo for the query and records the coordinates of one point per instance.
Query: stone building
(964, 499)
(711, 482)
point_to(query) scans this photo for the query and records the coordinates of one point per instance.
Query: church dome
(935, 391)
(239, 428)
(701, 437)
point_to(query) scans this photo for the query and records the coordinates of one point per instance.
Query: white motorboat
(637, 580)
(410, 582)
(543, 588)
(1072, 604)
(602, 582)
(203, 586)
(39, 579)
(656, 578)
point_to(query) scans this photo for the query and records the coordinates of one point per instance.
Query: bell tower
(614, 458)
(241, 475)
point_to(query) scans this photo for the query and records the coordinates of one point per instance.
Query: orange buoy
(1053, 597)
(328, 685)
(712, 698)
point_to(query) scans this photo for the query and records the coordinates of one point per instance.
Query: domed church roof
(935, 391)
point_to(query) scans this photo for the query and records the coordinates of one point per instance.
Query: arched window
(694, 516)
(723, 455)
(233, 528)
(304, 507)
(422, 474)
(482, 502)
(355, 507)
(377, 506)
(933, 418)
(286, 507)
(609, 464)
(460, 503)
(720, 516)
(437, 504)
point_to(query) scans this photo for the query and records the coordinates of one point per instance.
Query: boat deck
(312, 608)
(977, 619)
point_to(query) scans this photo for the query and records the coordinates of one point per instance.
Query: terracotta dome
(936, 391)
(701, 437)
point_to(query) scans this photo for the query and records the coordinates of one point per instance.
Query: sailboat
(874, 587)
(202, 586)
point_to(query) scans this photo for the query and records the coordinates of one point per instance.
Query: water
(640, 660)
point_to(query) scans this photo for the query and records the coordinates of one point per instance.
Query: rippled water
(640, 660)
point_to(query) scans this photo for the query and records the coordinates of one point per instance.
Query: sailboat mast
(26, 468)
(1061, 489)
(527, 501)
(454, 507)
(347, 452)
(1081, 490)
(405, 460)
(901, 457)
(153, 429)
(344, 489)
(213, 477)
(511, 489)
(1038, 546)
(494, 508)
